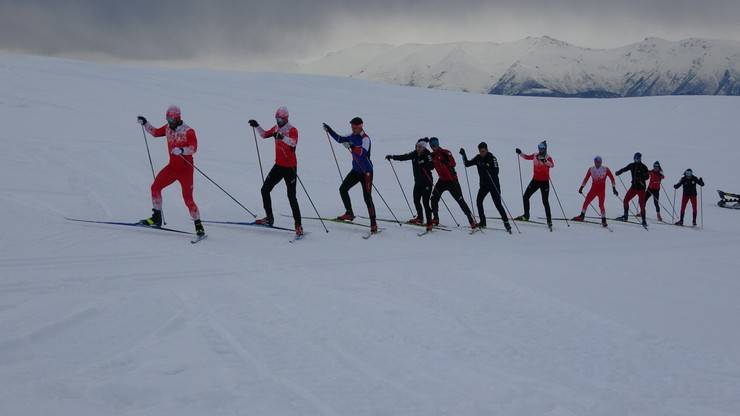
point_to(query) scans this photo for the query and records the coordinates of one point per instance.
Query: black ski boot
(603, 222)
(154, 221)
(199, 230)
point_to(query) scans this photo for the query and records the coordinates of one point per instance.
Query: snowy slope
(548, 67)
(98, 320)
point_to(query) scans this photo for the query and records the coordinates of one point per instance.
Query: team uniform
(688, 182)
(640, 175)
(489, 185)
(444, 164)
(598, 176)
(653, 190)
(422, 165)
(542, 163)
(285, 168)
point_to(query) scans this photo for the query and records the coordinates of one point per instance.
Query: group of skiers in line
(182, 145)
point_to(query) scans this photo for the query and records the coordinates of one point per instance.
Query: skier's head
(542, 147)
(421, 146)
(357, 125)
(483, 148)
(281, 116)
(637, 157)
(434, 142)
(598, 161)
(656, 166)
(688, 173)
(174, 116)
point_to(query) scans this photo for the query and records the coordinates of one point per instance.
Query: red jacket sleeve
(588, 175)
(527, 157)
(450, 159)
(156, 132)
(192, 141)
(267, 134)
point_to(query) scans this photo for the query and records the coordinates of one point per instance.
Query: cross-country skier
(598, 174)
(421, 161)
(653, 190)
(639, 173)
(182, 145)
(689, 182)
(444, 164)
(285, 168)
(542, 163)
(359, 145)
(487, 165)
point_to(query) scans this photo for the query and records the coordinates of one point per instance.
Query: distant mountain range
(546, 67)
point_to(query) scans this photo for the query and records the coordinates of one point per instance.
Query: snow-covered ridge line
(543, 66)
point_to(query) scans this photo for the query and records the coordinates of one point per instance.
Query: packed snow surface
(104, 320)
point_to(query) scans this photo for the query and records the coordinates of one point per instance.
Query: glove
(676, 186)
(614, 189)
(253, 123)
(518, 151)
(278, 136)
(580, 190)
(388, 157)
(541, 158)
(141, 120)
(327, 128)
(177, 151)
(462, 152)
(346, 145)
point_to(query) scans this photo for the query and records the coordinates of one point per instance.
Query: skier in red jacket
(444, 164)
(285, 168)
(542, 163)
(598, 174)
(654, 180)
(182, 145)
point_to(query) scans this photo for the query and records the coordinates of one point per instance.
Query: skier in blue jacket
(359, 145)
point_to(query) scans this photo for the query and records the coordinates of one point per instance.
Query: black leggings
(482, 193)
(655, 193)
(353, 178)
(422, 195)
(534, 186)
(278, 173)
(453, 187)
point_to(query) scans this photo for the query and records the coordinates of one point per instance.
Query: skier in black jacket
(487, 165)
(689, 182)
(640, 175)
(421, 161)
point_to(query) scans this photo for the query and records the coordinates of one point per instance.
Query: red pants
(641, 198)
(169, 174)
(592, 194)
(684, 201)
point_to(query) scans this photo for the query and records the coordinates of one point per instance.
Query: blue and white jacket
(359, 146)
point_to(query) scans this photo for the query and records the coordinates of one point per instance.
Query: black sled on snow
(728, 200)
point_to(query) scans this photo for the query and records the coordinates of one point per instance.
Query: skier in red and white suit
(598, 175)
(181, 144)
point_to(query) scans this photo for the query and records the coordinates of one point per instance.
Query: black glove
(278, 136)
(541, 158)
(518, 151)
(388, 157)
(253, 123)
(614, 189)
(462, 152)
(580, 190)
(141, 120)
(676, 186)
(327, 128)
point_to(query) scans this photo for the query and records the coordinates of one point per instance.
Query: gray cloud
(240, 32)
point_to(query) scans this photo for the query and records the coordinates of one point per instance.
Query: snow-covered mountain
(547, 67)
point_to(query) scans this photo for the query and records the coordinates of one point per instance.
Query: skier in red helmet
(182, 145)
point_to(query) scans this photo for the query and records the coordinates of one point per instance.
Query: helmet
(434, 142)
(542, 146)
(597, 161)
(173, 113)
(282, 113)
(638, 156)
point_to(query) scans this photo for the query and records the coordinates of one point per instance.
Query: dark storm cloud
(190, 30)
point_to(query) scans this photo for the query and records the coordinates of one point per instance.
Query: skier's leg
(545, 189)
(352, 179)
(692, 199)
(436, 196)
(164, 178)
(418, 190)
(602, 200)
(291, 183)
(500, 207)
(273, 177)
(456, 192)
(367, 193)
(482, 193)
(185, 178)
(425, 196)
(684, 201)
(642, 201)
(531, 189)
(589, 197)
(627, 198)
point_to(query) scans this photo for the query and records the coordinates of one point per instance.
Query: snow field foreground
(103, 320)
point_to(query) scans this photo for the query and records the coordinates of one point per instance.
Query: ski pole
(627, 190)
(401, 186)
(701, 205)
(259, 159)
(501, 197)
(312, 204)
(387, 206)
(218, 186)
(470, 193)
(561, 205)
(328, 139)
(668, 198)
(521, 184)
(673, 214)
(448, 210)
(151, 165)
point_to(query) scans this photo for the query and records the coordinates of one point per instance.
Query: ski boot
(154, 221)
(623, 218)
(508, 227)
(603, 222)
(679, 223)
(694, 224)
(430, 226)
(644, 223)
(267, 221)
(374, 228)
(660, 219)
(580, 218)
(298, 230)
(348, 216)
(435, 221)
(199, 230)
(549, 226)
(522, 217)
(415, 221)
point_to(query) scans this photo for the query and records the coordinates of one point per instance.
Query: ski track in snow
(105, 320)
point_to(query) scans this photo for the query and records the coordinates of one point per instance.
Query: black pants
(353, 178)
(482, 193)
(278, 173)
(534, 186)
(422, 195)
(453, 187)
(655, 193)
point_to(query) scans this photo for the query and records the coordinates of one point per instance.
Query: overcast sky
(238, 32)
